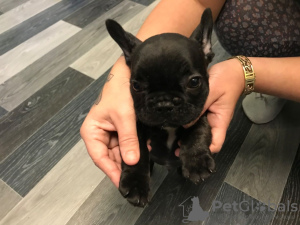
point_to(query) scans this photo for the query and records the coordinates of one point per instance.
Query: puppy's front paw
(135, 187)
(198, 167)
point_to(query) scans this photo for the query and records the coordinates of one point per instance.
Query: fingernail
(131, 155)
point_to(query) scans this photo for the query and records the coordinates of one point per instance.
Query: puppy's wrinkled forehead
(167, 55)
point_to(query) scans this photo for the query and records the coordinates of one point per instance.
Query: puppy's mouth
(173, 118)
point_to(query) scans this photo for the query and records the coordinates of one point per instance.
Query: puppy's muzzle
(164, 103)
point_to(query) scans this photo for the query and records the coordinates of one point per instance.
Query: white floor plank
(60, 193)
(31, 50)
(100, 58)
(8, 198)
(23, 12)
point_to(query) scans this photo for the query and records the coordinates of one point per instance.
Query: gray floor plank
(27, 165)
(38, 23)
(90, 12)
(262, 166)
(2, 112)
(249, 211)
(291, 196)
(106, 205)
(23, 12)
(29, 51)
(8, 198)
(48, 67)
(6, 5)
(60, 193)
(18, 125)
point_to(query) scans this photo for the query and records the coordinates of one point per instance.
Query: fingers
(96, 141)
(100, 155)
(128, 140)
(114, 155)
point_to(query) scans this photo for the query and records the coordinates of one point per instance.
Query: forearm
(278, 76)
(179, 16)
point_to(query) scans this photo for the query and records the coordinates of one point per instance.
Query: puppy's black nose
(164, 103)
(177, 101)
(164, 106)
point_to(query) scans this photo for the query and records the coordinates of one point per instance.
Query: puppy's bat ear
(203, 33)
(125, 40)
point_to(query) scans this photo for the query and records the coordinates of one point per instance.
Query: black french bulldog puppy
(169, 86)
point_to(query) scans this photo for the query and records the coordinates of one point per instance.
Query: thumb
(128, 140)
(218, 138)
(219, 124)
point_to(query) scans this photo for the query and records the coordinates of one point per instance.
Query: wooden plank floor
(23, 12)
(31, 50)
(48, 67)
(8, 5)
(28, 117)
(54, 59)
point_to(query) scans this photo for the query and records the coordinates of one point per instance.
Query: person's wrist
(120, 68)
(236, 75)
(119, 77)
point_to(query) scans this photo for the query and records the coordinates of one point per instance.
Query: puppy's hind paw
(198, 168)
(135, 188)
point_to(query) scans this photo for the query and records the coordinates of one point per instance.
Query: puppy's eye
(136, 86)
(194, 82)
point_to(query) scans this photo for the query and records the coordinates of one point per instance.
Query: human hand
(110, 127)
(226, 84)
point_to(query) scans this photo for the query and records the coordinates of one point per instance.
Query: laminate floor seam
(83, 41)
(290, 195)
(2, 112)
(9, 198)
(53, 140)
(262, 166)
(96, 61)
(35, 111)
(27, 53)
(95, 9)
(255, 214)
(74, 168)
(36, 24)
(41, 127)
(11, 17)
(7, 5)
(11, 188)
